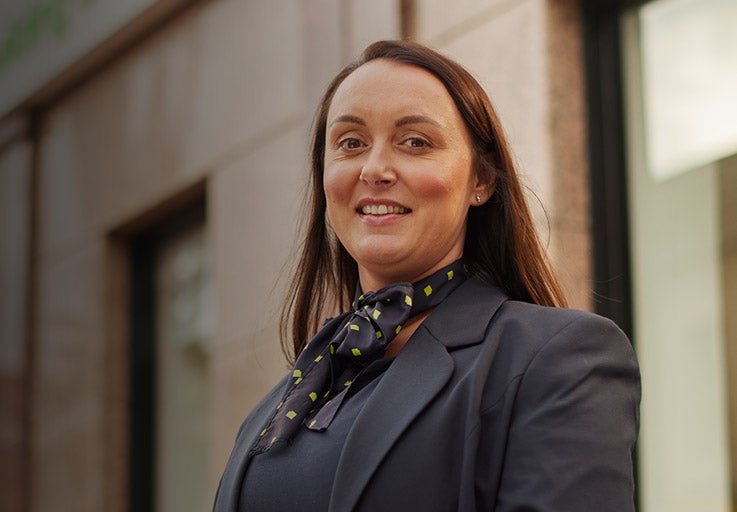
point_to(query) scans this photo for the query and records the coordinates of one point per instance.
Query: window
(680, 78)
(171, 325)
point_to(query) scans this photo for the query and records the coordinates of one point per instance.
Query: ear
(485, 182)
(482, 192)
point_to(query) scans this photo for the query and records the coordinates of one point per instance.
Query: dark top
(299, 476)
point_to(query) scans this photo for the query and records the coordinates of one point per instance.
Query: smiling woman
(454, 380)
(408, 152)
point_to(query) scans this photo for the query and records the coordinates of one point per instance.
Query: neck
(401, 339)
(377, 277)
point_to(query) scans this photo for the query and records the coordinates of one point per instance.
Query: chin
(380, 250)
(392, 264)
(381, 259)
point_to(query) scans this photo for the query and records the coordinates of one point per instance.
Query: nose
(378, 170)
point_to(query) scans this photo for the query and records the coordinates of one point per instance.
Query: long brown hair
(501, 247)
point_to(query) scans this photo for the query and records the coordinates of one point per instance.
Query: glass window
(689, 83)
(170, 333)
(182, 333)
(680, 77)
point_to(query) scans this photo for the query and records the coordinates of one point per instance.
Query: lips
(378, 208)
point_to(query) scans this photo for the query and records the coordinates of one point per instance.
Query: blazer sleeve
(574, 424)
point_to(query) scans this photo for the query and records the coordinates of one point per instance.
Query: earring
(478, 198)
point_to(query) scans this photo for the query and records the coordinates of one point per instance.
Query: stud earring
(478, 198)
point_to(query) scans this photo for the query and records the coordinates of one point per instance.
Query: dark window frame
(607, 159)
(612, 273)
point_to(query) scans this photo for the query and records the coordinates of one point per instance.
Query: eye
(349, 143)
(416, 142)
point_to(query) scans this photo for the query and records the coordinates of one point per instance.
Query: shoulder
(541, 324)
(566, 386)
(481, 317)
(529, 327)
(537, 329)
(527, 347)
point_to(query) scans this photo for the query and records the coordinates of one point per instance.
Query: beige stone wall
(225, 95)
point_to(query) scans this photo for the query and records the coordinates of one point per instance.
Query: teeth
(382, 209)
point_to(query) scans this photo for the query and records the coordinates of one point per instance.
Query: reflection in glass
(182, 332)
(689, 80)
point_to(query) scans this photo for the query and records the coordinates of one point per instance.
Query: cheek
(332, 185)
(448, 188)
(338, 187)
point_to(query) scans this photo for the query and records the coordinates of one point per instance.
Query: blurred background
(153, 164)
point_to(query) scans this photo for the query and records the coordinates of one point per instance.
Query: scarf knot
(377, 318)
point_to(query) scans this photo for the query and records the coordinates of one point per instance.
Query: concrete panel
(570, 253)
(440, 20)
(248, 75)
(569, 208)
(372, 21)
(324, 52)
(68, 409)
(199, 95)
(255, 208)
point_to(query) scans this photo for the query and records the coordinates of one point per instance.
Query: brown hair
(501, 247)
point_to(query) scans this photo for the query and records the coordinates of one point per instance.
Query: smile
(383, 209)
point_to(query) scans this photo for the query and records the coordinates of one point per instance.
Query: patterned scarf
(328, 364)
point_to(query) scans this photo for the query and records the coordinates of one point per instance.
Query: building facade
(153, 166)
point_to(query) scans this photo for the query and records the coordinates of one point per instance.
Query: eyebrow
(348, 119)
(414, 119)
(417, 119)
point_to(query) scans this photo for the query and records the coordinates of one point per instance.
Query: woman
(469, 389)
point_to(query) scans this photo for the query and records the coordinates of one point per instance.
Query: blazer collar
(420, 371)
(462, 318)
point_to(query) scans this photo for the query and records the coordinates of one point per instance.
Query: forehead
(387, 86)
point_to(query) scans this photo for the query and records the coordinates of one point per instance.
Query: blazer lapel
(463, 317)
(420, 371)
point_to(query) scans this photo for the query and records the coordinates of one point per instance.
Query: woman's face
(398, 173)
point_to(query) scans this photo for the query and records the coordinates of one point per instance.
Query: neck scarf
(327, 366)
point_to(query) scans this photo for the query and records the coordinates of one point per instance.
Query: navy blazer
(492, 405)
